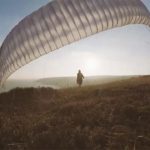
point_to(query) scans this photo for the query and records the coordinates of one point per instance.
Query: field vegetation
(114, 116)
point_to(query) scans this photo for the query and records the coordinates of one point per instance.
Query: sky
(121, 51)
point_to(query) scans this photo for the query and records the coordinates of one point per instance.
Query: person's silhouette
(80, 78)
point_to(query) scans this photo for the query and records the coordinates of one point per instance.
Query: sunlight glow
(91, 65)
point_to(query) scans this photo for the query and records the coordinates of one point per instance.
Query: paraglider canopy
(62, 22)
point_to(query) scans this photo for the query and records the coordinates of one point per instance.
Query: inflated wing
(62, 22)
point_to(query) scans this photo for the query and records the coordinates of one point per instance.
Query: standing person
(80, 78)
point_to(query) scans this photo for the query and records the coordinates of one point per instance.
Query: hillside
(113, 116)
(58, 82)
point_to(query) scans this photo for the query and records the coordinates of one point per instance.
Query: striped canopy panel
(62, 22)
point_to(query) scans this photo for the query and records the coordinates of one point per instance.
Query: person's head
(79, 70)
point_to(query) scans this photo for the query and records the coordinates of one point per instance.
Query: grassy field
(113, 116)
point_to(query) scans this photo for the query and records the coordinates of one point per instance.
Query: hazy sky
(121, 51)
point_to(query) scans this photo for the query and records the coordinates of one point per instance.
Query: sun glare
(91, 65)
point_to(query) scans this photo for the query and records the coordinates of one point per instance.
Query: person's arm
(82, 76)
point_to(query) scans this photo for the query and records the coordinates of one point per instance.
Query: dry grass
(113, 116)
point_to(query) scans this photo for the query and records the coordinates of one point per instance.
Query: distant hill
(65, 82)
(59, 82)
(114, 116)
